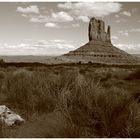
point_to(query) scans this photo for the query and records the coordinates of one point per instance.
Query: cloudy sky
(53, 28)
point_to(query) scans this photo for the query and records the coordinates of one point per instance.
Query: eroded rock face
(8, 117)
(96, 31)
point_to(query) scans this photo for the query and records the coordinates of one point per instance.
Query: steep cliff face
(96, 31)
(99, 48)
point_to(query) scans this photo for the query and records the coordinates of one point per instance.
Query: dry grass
(71, 102)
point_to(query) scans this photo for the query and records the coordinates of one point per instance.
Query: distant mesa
(99, 49)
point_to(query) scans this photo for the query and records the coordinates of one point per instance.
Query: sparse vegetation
(1, 61)
(134, 75)
(72, 101)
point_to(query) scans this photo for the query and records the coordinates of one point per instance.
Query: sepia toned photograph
(69, 69)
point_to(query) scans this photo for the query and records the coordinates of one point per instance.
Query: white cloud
(51, 25)
(30, 9)
(24, 15)
(123, 33)
(41, 47)
(22, 45)
(42, 42)
(97, 9)
(135, 30)
(72, 11)
(117, 16)
(34, 19)
(62, 44)
(130, 48)
(114, 37)
(120, 20)
(58, 41)
(54, 17)
(67, 5)
(61, 16)
(128, 31)
(55, 46)
(117, 21)
(83, 18)
(126, 13)
(75, 25)
(17, 49)
(39, 18)
(134, 10)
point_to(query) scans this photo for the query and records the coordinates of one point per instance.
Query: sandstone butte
(99, 49)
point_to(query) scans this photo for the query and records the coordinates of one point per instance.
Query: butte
(99, 49)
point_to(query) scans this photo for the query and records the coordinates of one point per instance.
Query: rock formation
(99, 49)
(96, 31)
(9, 118)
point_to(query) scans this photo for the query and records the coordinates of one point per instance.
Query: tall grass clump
(99, 112)
(29, 91)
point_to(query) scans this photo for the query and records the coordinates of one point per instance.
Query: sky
(54, 28)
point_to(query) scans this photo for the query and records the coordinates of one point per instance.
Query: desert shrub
(36, 91)
(89, 62)
(2, 75)
(135, 75)
(16, 88)
(1, 131)
(30, 68)
(2, 69)
(29, 91)
(1, 61)
(79, 62)
(52, 125)
(105, 74)
(11, 69)
(105, 112)
(100, 74)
